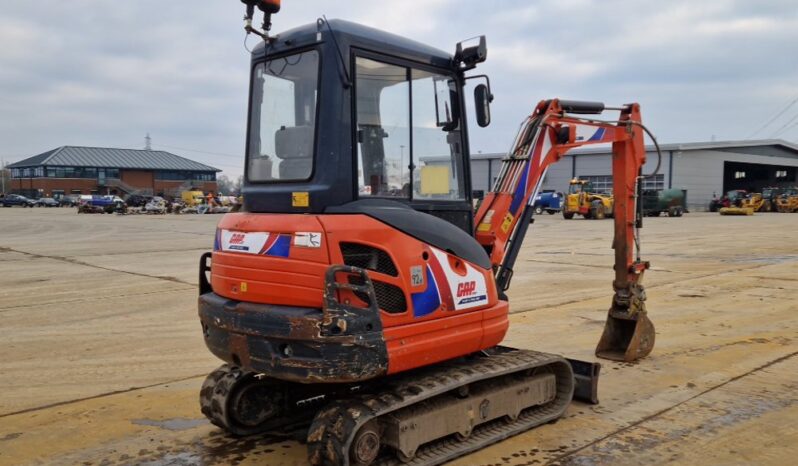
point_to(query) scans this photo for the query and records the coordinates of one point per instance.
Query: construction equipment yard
(103, 354)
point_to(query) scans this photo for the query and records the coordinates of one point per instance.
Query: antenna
(147, 142)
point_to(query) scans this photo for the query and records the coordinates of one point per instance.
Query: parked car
(95, 203)
(549, 201)
(46, 202)
(69, 200)
(137, 200)
(15, 199)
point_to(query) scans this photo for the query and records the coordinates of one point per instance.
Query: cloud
(94, 72)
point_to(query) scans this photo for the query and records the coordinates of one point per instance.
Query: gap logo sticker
(270, 244)
(446, 286)
(467, 293)
(239, 241)
(468, 290)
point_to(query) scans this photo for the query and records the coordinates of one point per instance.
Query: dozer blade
(626, 337)
(736, 211)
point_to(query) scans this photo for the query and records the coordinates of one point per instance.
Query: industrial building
(100, 170)
(704, 169)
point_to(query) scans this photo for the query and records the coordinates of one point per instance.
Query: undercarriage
(425, 416)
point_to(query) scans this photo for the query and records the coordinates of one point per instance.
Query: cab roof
(349, 35)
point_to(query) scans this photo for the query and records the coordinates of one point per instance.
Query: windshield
(575, 188)
(408, 133)
(282, 125)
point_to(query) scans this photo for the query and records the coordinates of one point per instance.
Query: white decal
(416, 275)
(239, 241)
(468, 290)
(307, 239)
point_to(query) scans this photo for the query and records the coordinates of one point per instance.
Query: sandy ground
(102, 356)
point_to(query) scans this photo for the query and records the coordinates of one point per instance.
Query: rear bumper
(289, 343)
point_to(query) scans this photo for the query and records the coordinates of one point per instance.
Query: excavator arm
(502, 220)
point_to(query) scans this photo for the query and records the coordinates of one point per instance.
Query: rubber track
(334, 428)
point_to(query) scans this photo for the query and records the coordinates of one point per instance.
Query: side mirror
(482, 99)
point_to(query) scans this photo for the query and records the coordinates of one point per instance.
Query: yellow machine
(787, 201)
(193, 198)
(755, 202)
(583, 201)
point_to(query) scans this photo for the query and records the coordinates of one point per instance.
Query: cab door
(409, 137)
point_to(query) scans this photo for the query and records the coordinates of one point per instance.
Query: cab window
(408, 133)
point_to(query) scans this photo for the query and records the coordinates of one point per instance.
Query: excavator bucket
(626, 337)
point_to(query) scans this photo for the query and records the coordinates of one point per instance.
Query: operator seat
(294, 147)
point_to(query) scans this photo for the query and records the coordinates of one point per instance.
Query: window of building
(781, 173)
(183, 176)
(602, 184)
(739, 175)
(80, 172)
(656, 182)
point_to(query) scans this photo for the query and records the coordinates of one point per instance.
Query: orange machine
(357, 292)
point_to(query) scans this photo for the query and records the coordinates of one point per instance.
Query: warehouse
(704, 169)
(100, 170)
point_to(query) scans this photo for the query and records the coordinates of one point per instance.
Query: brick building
(99, 170)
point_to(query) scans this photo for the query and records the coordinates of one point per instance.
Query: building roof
(728, 146)
(105, 157)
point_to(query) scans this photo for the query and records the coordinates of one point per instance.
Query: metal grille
(390, 298)
(367, 257)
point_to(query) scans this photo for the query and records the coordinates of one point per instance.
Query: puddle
(171, 424)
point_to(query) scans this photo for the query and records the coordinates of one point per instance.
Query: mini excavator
(357, 293)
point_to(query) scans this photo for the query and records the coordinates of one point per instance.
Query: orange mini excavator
(357, 292)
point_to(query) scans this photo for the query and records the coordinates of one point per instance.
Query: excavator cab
(580, 186)
(341, 113)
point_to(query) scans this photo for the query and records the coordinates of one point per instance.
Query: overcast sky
(104, 73)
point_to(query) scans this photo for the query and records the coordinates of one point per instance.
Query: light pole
(3, 175)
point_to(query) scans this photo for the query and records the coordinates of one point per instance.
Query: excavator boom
(544, 138)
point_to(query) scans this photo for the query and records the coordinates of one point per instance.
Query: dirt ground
(102, 355)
